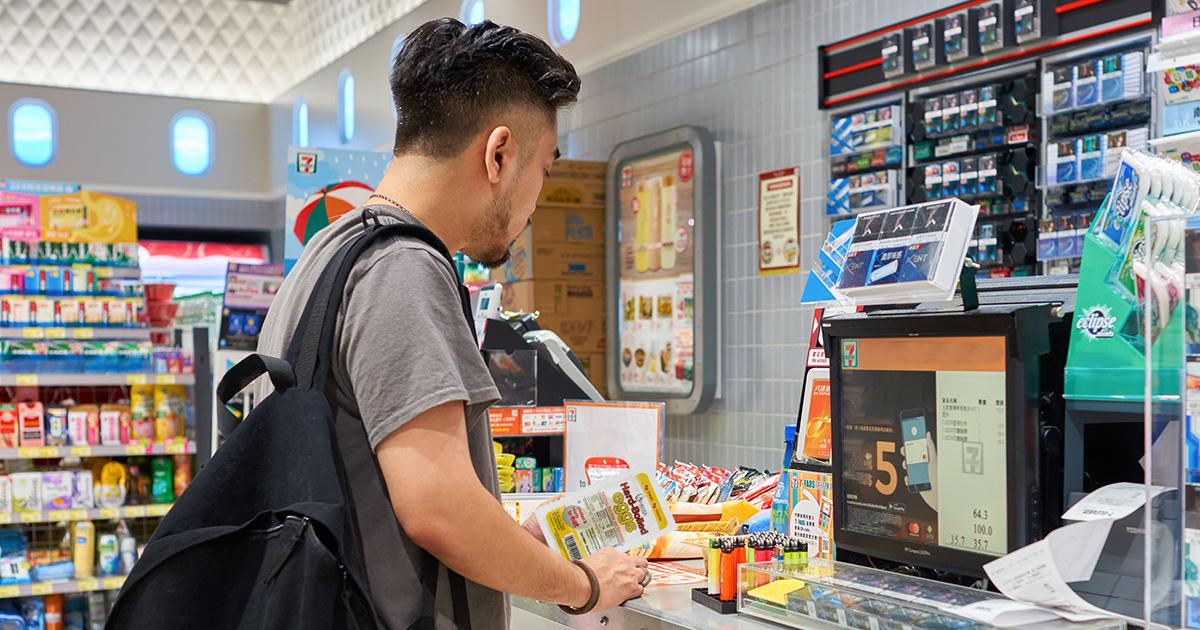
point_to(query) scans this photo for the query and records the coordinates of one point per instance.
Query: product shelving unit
(94, 380)
(79, 333)
(63, 587)
(154, 510)
(866, 176)
(975, 137)
(1087, 139)
(47, 526)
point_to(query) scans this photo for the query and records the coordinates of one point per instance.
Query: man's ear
(501, 153)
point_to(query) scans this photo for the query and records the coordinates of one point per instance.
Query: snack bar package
(623, 513)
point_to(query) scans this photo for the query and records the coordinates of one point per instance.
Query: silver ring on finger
(645, 581)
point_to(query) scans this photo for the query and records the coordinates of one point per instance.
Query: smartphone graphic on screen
(916, 450)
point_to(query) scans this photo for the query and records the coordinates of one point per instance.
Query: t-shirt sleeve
(405, 346)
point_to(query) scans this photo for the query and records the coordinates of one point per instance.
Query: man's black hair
(449, 79)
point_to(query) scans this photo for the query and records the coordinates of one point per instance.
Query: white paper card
(1114, 501)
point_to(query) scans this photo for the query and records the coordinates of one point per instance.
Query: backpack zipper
(287, 552)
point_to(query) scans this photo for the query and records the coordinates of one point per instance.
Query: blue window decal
(563, 16)
(346, 106)
(33, 132)
(300, 123)
(191, 143)
(472, 12)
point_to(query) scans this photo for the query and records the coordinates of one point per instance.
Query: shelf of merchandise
(94, 380)
(117, 450)
(89, 514)
(100, 334)
(62, 587)
(130, 273)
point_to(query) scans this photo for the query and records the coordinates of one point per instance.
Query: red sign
(626, 177)
(1018, 134)
(685, 166)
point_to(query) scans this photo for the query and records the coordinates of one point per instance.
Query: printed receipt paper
(1038, 575)
(623, 513)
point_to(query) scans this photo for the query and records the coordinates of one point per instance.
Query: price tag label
(6, 518)
(113, 583)
(165, 379)
(158, 510)
(37, 452)
(77, 515)
(81, 451)
(110, 513)
(56, 333)
(176, 448)
(32, 517)
(82, 333)
(7, 592)
(89, 584)
(33, 333)
(136, 449)
(135, 379)
(104, 272)
(135, 511)
(27, 380)
(43, 588)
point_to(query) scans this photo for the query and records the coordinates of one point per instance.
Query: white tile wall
(751, 79)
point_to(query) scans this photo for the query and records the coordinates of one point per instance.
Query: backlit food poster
(323, 185)
(657, 324)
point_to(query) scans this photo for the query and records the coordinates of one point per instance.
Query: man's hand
(620, 577)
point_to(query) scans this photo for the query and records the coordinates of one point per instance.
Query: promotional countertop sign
(662, 269)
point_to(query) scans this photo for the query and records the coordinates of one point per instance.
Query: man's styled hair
(448, 80)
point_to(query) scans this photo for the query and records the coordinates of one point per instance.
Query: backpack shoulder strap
(311, 349)
(311, 354)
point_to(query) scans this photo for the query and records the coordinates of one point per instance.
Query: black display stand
(701, 596)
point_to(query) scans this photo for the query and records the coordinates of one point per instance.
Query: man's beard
(491, 232)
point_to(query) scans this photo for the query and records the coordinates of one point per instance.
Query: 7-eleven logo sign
(849, 353)
(306, 163)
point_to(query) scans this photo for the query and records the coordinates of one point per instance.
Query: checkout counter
(661, 608)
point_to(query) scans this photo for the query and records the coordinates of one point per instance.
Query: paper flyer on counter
(623, 513)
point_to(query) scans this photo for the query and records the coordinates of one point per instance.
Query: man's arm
(446, 510)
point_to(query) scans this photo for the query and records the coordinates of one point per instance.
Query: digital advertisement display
(924, 441)
(656, 329)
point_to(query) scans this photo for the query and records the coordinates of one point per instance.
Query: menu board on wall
(656, 329)
(661, 257)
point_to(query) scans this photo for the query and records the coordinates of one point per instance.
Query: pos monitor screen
(927, 432)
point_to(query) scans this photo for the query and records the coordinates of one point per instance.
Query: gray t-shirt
(403, 347)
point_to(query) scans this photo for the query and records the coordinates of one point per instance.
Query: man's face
(511, 208)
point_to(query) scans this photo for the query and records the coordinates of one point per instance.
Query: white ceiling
(235, 50)
(216, 49)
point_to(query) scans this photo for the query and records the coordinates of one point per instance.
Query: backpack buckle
(369, 215)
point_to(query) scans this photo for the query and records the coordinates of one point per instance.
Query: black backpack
(265, 536)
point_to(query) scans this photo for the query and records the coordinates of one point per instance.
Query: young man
(476, 134)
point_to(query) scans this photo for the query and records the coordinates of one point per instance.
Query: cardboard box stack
(557, 265)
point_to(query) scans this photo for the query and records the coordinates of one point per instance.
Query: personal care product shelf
(119, 450)
(104, 273)
(62, 587)
(89, 514)
(94, 380)
(99, 334)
